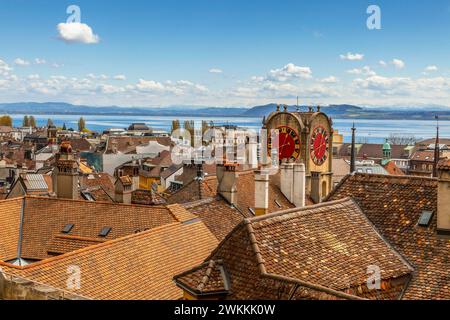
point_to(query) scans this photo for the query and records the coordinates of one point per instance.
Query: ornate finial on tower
(310, 109)
(353, 151)
(298, 108)
(285, 108)
(318, 108)
(278, 107)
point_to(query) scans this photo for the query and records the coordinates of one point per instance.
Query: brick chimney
(287, 180)
(65, 173)
(293, 182)
(123, 189)
(315, 187)
(299, 188)
(226, 182)
(443, 199)
(261, 192)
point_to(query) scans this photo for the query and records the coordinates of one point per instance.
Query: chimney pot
(443, 199)
(261, 192)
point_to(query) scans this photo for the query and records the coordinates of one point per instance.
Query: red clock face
(319, 145)
(288, 143)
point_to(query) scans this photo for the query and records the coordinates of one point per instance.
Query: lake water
(372, 131)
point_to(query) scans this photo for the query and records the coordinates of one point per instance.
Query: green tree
(32, 122)
(26, 121)
(81, 124)
(189, 125)
(64, 126)
(6, 121)
(175, 125)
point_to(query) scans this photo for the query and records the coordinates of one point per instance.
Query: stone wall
(15, 288)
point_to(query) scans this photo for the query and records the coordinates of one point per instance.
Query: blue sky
(225, 53)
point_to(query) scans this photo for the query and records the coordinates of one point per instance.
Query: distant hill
(343, 111)
(67, 108)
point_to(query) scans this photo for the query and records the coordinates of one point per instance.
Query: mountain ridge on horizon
(335, 110)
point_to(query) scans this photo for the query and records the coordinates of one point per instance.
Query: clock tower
(305, 137)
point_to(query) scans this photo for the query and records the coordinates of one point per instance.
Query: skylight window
(67, 228)
(425, 218)
(252, 211)
(105, 231)
(277, 203)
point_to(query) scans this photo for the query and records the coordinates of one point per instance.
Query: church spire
(436, 149)
(353, 151)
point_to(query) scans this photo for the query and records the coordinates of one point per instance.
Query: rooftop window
(104, 232)
(425, 218)
(67, 228)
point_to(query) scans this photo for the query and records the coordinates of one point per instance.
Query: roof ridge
(91, 202)
(297, 210)
(73, 237)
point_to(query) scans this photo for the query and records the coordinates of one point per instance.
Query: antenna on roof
(436, 149)
(353, 151)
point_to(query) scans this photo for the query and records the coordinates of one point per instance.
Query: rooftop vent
(67, 228)
(105, 231)
(425, 218)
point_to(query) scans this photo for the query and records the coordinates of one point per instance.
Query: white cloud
(382, 63)
(215, 70)
(397, 63)
(288, 72)
(39, 61)
(95, 77)
(77, 33)
(4, 68)
(33, 77)
(21, 62)
(431, 68)
(352, 56)
(120, 77)
(330, 79)
(366, 70)
(57, 65)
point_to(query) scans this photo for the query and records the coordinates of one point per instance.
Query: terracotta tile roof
(427, 156)
(43, 218)
(195, 190)
(9, 228)
(444, 164)
(147, 197)
(95, 180)
(208, 278)
(394, 205)
(139, 266)
(64, 243)
(126, 180)
(128, 144)
(79, 144)
(374, 151)
(207, 188)
(246, 193)
(325, 249)
(217, 215)
(170, 170)
(392, 169)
